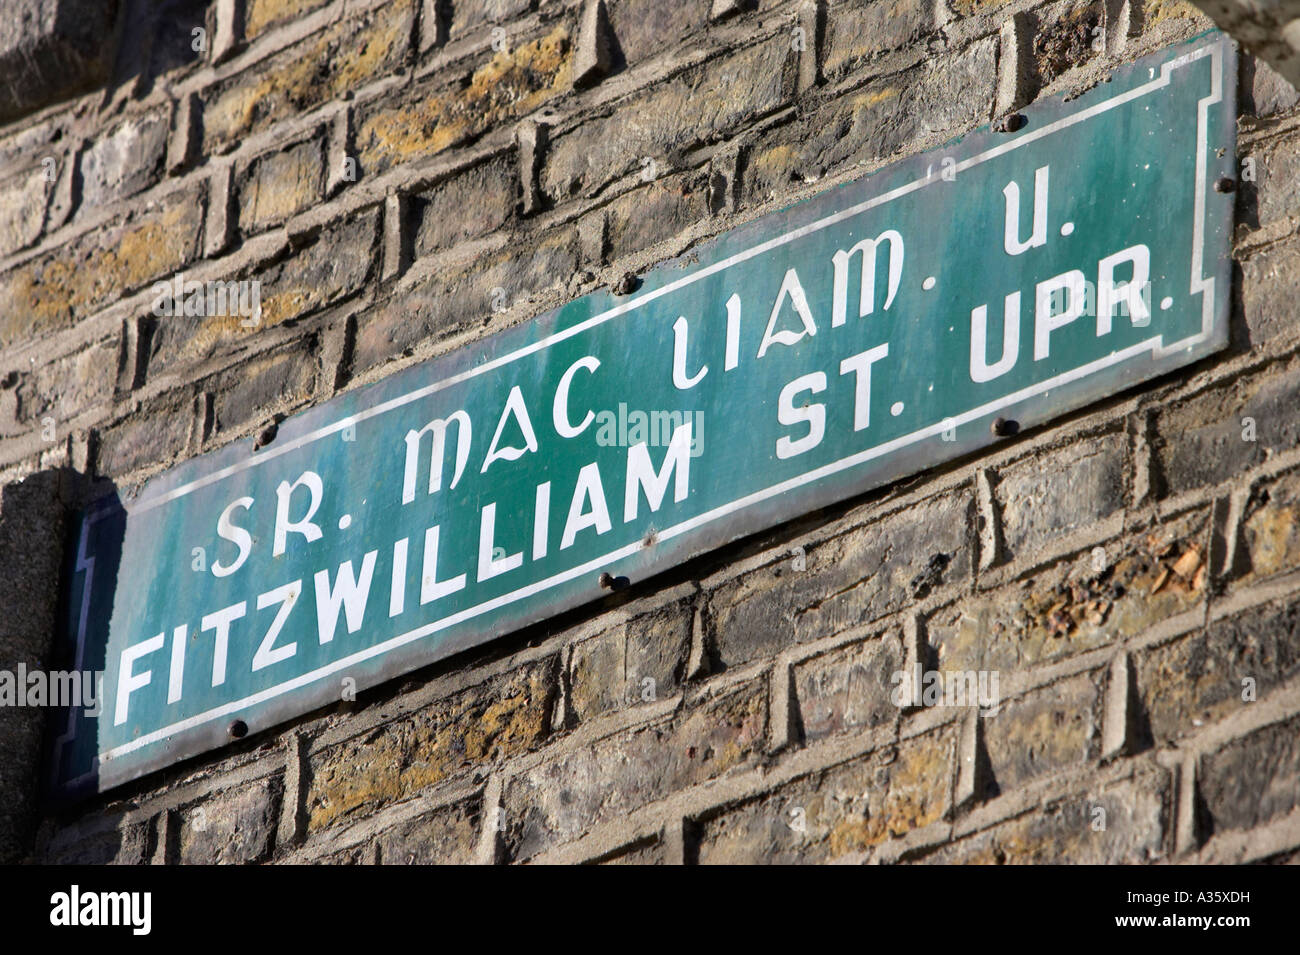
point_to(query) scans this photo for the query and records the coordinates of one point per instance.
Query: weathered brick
(1047, 496)
(156, 433)
(967, 8)
(341, 58)
(846, 810)
(644, 27)
(1135, 813)
(330, 268)
(1078, 605)
(52, 48)
(1067, 35)
(261, 387)
(272, 187)
(753, 615)
(464, 295)
(232, 827)
(657, 646)
(858, 31)
(25, 144)
(1207, 439)
(849, 688)
(654, 212)
(22, 208)
(507, 716)
(548, 804)
(640, 661)
(469, 204)
(428, 118)
(1268, 92)
(50, 291)
(444, 836)
(935, 100)
(1270, 286)
(125, 161)
(1198, 678)
(262, 15)
(597, 675)
(469, 15)
(499, 718)
(357, 855)
(881, 567)
(1277, 176)
(854, 578)
(65, 387)
(703, 103)
(1045, 730)
(117, 844)
(1156, 12)
(357, 777)
(1270, 531)
(1252, 780)
(172, 53)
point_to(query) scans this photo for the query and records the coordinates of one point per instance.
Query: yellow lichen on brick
(1157, 11)
(337, 62)
(868, 100)
(363, 773)
(265, 13)
(218, 331)
(512, 83)
(1273, 537)
(907, 794)
(284, 183)
(284, 305)
(968, 8)
(97, 269)
(470, 733)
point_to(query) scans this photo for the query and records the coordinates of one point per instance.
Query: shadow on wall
(40, 599)
(53, 50)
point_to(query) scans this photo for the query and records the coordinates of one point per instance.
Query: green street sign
(812, 354)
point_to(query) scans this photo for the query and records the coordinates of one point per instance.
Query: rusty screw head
(238, 729)
(1002, 427)
(1224, 184)
(1009, 123)
(606, 581)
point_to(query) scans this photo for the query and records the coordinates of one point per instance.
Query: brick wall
(405, 177)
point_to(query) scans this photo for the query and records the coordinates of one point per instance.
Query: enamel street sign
(817, 352)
